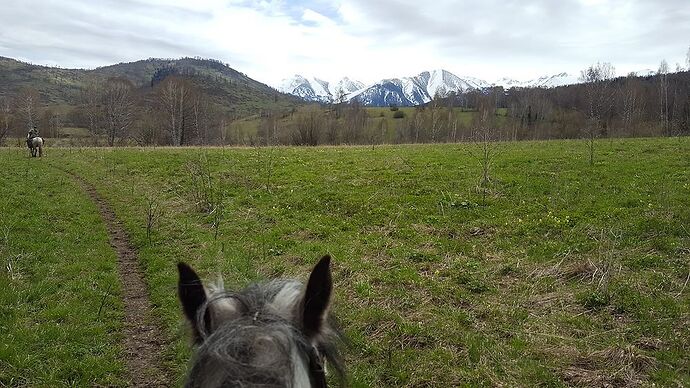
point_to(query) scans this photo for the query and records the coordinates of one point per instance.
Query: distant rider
(33, 132)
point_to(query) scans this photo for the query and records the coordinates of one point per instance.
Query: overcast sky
(363, 39)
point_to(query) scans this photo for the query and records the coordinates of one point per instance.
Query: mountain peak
(315, 89)
(409, 91)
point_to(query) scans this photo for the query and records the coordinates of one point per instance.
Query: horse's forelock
(249, 352)
(255, 338)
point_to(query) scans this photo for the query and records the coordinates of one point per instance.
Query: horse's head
(274, 334)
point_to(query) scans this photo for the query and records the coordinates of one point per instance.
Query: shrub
(398, 114)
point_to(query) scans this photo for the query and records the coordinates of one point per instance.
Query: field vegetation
(60, 307)
(532, 267)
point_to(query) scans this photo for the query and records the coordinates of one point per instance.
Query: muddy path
(143, 341)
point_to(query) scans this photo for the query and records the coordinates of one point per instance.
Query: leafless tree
(146, 128)
(200, 107)
(340, 101)
(355, 121)
(598, 95)
(26, 107)
(332, 130)
(174, 97)
(308, 127)
(632, 100)
(436, 116)
(153, 213)
(6, 115)
(417, 122)
(91, 106)
(51, 122)
(223, 132)
(268, 129)
(118, 108)
(485, 136)
(378, 135)
(662, 73)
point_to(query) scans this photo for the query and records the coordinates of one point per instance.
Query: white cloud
(363, 39)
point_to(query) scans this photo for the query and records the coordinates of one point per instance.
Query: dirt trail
(143, 342)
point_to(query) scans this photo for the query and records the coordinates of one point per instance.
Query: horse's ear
(192, 296)
(317, 297)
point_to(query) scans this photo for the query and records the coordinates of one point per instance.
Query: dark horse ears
(192, 296)
(313, 307)
(317, 297)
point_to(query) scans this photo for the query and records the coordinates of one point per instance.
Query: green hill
(231, 90)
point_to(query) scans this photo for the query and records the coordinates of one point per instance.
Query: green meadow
(554, 273)
(60, 307)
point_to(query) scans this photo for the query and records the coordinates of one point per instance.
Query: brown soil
(143, 342)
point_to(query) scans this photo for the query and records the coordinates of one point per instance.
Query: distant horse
(35, 146)
(273, 334)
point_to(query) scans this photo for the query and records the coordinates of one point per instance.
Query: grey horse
(35, 146)
(274, 334)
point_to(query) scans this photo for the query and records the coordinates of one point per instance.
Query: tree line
(114, 112)
(174, 110)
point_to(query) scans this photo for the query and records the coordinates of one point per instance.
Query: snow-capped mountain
(310, 89)
(547, 81)
(406, 91)
(416, 90)
(409, 91)
(508, 83)
(394, 91)
(441, 82)
(315, 89)
(345, 87)
(552, 81)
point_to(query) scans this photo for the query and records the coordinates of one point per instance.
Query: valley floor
(554, 272)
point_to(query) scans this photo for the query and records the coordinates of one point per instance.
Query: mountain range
(234, 92)
(411, 91)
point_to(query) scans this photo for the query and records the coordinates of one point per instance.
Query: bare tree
(485, 136)
(436, 117)
(26, 107)
(332, 130)
(268, 129)
(662, 73)
(223, 132)
(146, 127)
(632, 101)
(451, 120)
(200, 112)
(51, 122)
(309, 125)
(174, 98)
(416, 123)
(6, 117)
(91, 102)
(118, 108)
(597, 83)
(340, 101)
(355, 122)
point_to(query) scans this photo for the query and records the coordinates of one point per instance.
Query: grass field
(245, 130)
(565, 274)
(60, 311)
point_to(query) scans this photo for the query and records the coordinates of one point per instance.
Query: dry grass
(611, 367)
